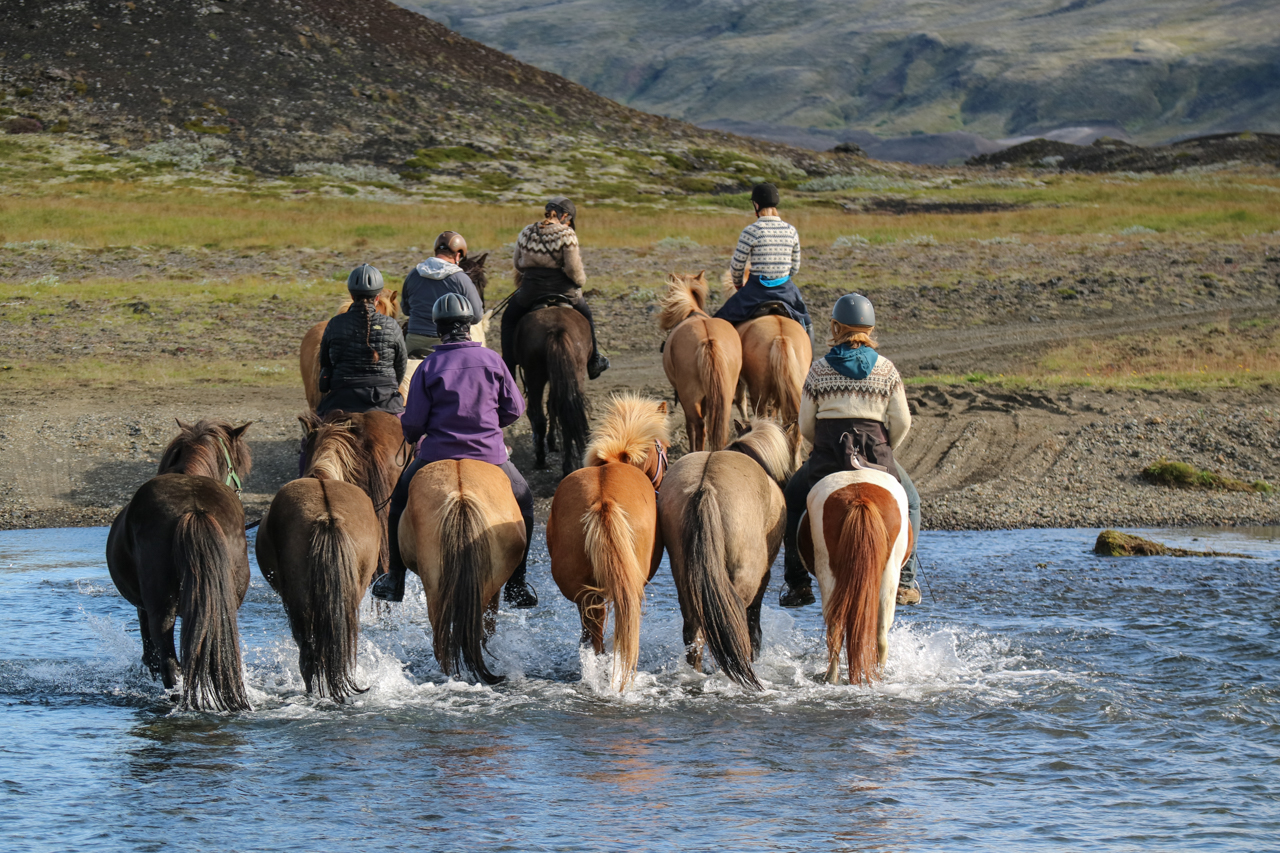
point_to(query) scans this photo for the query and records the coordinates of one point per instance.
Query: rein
(233, 479)
(661, 470)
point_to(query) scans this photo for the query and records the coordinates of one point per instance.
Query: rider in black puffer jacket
(362, 354)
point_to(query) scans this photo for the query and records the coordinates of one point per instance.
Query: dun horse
(178, 548)
(552, 348)
(463, 535)
(602, 532)
(318, 546)
(702, 357)
(722, 515)
(776, 353)
(854, 538)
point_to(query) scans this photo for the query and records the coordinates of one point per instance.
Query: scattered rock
(1113, 543)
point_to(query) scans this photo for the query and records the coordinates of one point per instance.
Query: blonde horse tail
(465, 558)
(714, 602)
(718, 394)
(610, 541)
(212, 675)
(786, 375)
(862, 549)
(333, 625)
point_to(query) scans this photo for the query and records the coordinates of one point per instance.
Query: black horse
(179, 549)
(552, 346)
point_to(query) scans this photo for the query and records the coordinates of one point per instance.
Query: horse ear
(662, 407)
(236, 432)
(182, 426)
(701, 276)
(743, 427)
(308, 425)
(477, 263)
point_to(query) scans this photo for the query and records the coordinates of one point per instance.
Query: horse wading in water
(552, 346)
(602, 531)
(702, 357)
(722, 516)
(178, 548)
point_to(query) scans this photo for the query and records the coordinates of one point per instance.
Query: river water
(1041, 698)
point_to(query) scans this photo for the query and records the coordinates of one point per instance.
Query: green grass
(1184, 475)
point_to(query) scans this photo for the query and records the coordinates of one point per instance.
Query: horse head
(208, 448)
(474, 268)
(772, 447)
(633, 432)
(333, 450)
(388, 303)
(686, 295)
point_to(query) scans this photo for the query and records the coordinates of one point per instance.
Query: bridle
(232, 478)
(661, 470)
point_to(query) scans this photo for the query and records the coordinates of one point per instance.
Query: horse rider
(460, 398)
(857, 391)
(362, 353)
(548, 263)
(427, 282)
(772, 248)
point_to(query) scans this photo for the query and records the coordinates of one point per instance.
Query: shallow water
(1041, 698)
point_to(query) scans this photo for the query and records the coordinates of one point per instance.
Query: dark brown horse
(552, 347)
(179, 549)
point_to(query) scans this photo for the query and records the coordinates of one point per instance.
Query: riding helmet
(451, 242)
(365, 280)
(854, 309)
(562, 205)
(451, 308)
(765, 195)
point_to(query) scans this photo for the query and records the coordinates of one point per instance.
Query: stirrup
(597, 365)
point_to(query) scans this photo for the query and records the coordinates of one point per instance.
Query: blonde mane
(768, 444)
(686, 294)
(629, 431)
(337, 451)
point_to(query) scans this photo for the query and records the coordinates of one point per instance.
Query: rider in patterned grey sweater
(772, 248)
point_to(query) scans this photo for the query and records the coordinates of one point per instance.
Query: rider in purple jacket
(459, 400)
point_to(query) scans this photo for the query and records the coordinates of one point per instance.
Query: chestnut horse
(602, 532)
(178, 548)
(722, 516)
(702, 357)
(776, 353)
(367, 450)
(318, 546)
(462, 533)
(854, 537)
(387, 303)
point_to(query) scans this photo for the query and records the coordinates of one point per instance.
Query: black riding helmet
(765, 195)
(854, 309)
(365, 280)
(562, 205)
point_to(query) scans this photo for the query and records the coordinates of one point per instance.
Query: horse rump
(465, 558)
(611, 545)
(565, 399)
(333, 622)
(862, 549)
(717, 394)
(786, 376)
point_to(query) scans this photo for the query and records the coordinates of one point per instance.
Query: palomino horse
(855, 537)
(702, 358)
(318, 546)
(552, 347)
(179, 549)
(366, 450)
(776, 353)
(722, 516)
(309, 354)
(463, 535)
(602, 532)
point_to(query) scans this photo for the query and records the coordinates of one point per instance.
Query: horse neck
(201, 459)
(334, 459)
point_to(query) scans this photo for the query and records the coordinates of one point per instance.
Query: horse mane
(387, 304)
(337, 449)
(726, 281)
(628, 432)
(195, 450)
(767, 443)
(686, 294)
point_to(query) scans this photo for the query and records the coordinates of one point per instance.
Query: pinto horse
(854, 537)
(178, 548)
(552, 348)
(387, 304)
(722, 516)
(318, 546)
(462, 533)
(602, 532)
(702, 357)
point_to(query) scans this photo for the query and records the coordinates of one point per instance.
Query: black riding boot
(517, 592)
(597, 364)
(798, 591)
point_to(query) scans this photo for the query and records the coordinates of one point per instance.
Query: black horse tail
(714, 601)
(333, 618)
(565, 398)
(212, 675)
(464, 561)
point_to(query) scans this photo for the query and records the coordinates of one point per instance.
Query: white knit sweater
(771, 245)
(880, 397)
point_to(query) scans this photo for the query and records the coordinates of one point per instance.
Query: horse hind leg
(592, 610)
(538, 424)
(753, 617)
(834, 646)
(165, 653)
(693, 644)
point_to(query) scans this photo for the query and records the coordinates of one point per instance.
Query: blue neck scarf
(854, 362)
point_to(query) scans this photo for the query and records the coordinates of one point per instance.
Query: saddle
(773, 307)
(551, 300)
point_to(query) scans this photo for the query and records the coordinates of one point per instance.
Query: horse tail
(212, 675)
(715, 604)
(717, 394)
(334, 625)
(465, 558)
(565, 398)
(610, 542)
(862, 549)
(786, 375)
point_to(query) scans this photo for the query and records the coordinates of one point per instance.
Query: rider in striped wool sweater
(772, 248)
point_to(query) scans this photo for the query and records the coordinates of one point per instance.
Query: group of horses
(179, 548)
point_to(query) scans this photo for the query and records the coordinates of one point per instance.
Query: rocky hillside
(835, 69)
(278, 82)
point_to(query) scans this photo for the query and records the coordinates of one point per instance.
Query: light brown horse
(178, 548)
(366, 449)
(854, 538)
(463, 535)
(702, 357)
(722, 515)
(387, 304)
(776, 353)
(602, 532)
(318, 546)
